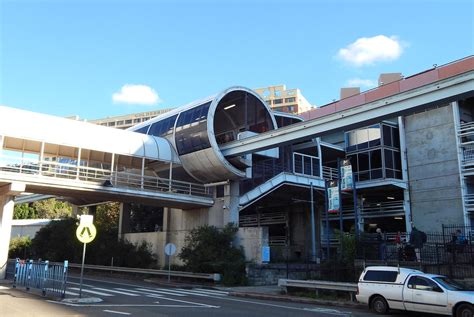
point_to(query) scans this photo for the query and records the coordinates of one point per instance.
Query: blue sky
(103, 58)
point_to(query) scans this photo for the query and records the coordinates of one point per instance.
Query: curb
(84, 300)
(295, 299)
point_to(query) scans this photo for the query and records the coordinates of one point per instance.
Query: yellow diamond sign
(86, 231)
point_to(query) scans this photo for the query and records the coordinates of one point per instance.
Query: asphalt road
(137, 298)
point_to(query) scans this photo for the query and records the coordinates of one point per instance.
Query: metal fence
(450, 252)
(49, 278)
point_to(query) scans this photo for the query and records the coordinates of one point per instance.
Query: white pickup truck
(383, 288)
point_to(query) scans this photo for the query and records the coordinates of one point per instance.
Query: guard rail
(351, 288)
(216, 277)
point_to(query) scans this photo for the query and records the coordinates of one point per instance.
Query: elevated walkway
(275, 183)
(91, 163)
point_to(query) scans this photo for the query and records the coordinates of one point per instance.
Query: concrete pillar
(6, 217)
(406, 192)
(231, 207)
(7, 196)
(124, 220)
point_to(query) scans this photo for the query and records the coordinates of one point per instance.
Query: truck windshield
(449, 284)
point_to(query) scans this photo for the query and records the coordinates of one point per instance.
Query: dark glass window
(363, 161)
(398, 160)
(298, 164)
(292, 99)
(191, 130)
(388, 158)
(163, 127)
(277, 101)
(396, 138)
(380, 276)
(354, 161)
(375, 159)
(219, 191)
(143, 129)
(387, 135)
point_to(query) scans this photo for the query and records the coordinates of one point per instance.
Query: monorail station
(229, 158)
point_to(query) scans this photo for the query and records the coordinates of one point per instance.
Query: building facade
(285, 100)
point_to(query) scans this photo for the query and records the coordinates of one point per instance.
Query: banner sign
(333, 196)
(346, 175)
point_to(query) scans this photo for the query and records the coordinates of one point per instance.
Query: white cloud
(369, 50)
(359, 82)
(136, 94)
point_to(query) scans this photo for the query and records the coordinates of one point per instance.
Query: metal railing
(50, 278)
(203, 276)
(469, 202)
(351, 288)
(255, 220)
(466, 133)
(373, 210)
(330, 173)
(73, 172)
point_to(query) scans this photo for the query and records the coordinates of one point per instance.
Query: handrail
(82, 173)
(329, 173)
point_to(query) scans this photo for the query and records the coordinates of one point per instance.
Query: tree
(107, 216)
(52, 209)
(24, 211)
(209, 250)
(20, 247)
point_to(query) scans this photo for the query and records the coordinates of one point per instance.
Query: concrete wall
(252, 239)
(433, 169)
(157, 240)
(27, 227)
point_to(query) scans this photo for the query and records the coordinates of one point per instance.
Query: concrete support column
(406, 192)
(124, 220)
(7, 196)
(6, 217)
(231, 210)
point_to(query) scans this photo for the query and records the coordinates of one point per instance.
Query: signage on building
(333, 196)
(347, 182)
(265, 254)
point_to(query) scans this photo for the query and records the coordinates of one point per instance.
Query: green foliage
(107, 216)
(57, 242)
(209, 250)
(52, 209)
(20, 247)
(24, 211)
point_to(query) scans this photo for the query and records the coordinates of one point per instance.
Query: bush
(57, 242)
(209, 250)
(20, 247)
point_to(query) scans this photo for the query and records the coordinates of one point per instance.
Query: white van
(384, 287)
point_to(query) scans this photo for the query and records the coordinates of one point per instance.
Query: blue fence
(49, 278)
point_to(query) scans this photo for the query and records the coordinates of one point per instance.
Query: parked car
(384, 287)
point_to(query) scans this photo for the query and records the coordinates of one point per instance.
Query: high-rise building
(285, 100)
(128, 120)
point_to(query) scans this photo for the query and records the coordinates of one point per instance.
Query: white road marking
(72, 293)
(184, 292)
(187, 302)
(206, 293)
(128, 290)
(92, 292)
(86, 285)
(160, 292)
(114, 291)
(3, 287)
(127, 305)
(211, 291)
(115, 312)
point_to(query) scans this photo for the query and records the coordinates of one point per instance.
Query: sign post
(170, 249)
(85, 233)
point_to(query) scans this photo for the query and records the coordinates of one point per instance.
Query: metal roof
(39, 127)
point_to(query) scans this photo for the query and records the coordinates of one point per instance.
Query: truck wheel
(379, 305)
(465, 310)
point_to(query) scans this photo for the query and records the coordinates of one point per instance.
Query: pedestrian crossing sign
(86, 230)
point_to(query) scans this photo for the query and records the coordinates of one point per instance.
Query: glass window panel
(315, 165)
(376, 173)
(363, 146)
(143, 129)
(363, 161)
(388, 159)
(375, 159)
(396, 138)
(353, 159)
(398, 160)
(298, 164)
(364, 176)
(373, 132)
(387, 135)
(389, 173)
(191, 130)
(307, 165)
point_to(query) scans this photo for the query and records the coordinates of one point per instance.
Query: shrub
(20, 247)
(209, 250)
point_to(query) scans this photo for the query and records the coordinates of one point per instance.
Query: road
(136, 298)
